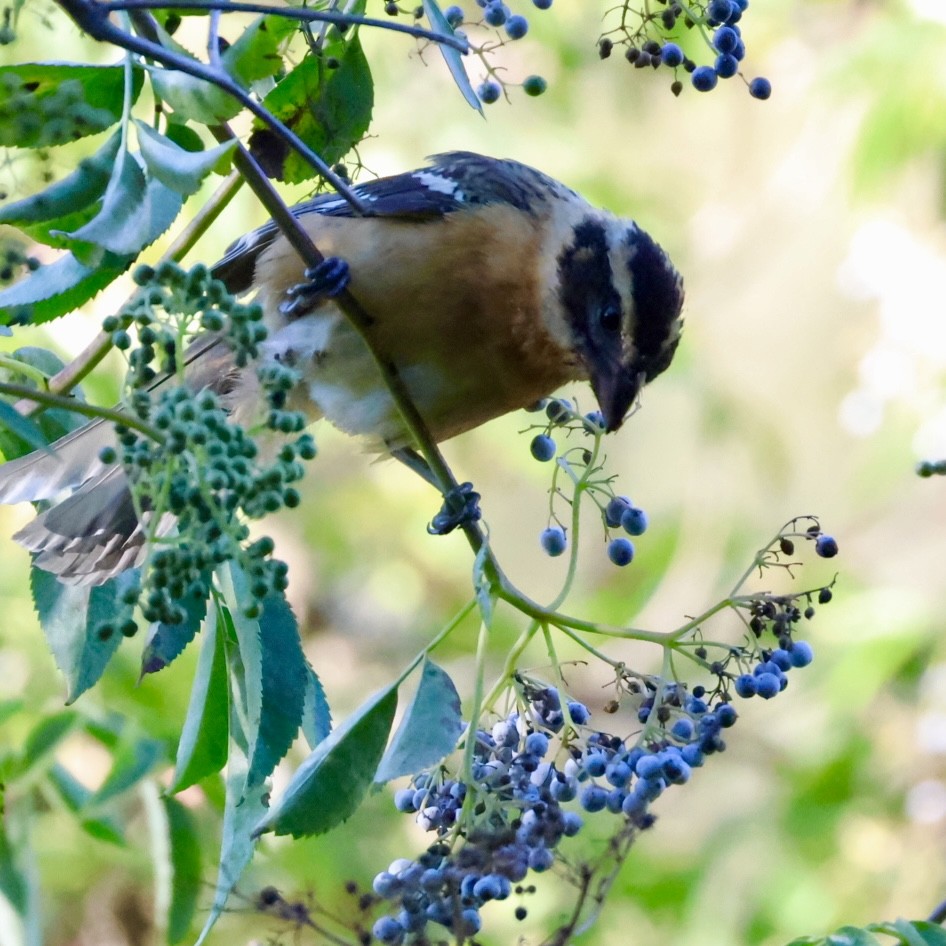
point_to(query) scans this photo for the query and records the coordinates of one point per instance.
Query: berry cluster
(618, 512)
(501, 25)
(200, 473)
(510, 816)
(653, 41)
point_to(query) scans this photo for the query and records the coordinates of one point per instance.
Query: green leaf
(60, 287)
(851, 936)
(14, 884)
(329, 109)
(166, 642)
(53, 422)
(180, 170)
(83, 187)
(186, 869)
(919, 933)
(429, 730)
(256, 55)
(137, 755)
(452, 57)
(47, 104)
(328, 787)
(191, 99)
(135, 211)
(75, 796)
(932, 934)
(24, 428)
(316, 714)
(203, 746)
(241, 812)
(43, 739)
(185, 136)
(74, 619)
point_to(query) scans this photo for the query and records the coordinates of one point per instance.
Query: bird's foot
(460, 506)
(324, 281)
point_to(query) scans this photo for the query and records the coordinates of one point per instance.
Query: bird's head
(622, 299)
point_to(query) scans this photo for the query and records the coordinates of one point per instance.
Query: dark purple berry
(704, 79)
(826, 546)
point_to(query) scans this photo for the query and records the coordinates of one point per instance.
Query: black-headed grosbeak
(489, 285)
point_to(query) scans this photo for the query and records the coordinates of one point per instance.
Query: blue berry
(594, 421)
(671, 55)
(489, 92)
(537, 743)
(767, 685)
(720, 10)
(704, 79)
(571, 824)
(826, 546)
(801, 654)
(404, 800)
(726, 714)
(470, 922)
(726, 66)
(542, 448)
(739, 52)
(542, 4)
(487, 888)
(541, 859)
(496, 14)
(782, 659)
(682, 729)
(454, 16)
(725, 39)
(578, 712)
(595, 764)
(388, 930)
(553, 541)
(517, 26)
(534, 85)
(615, 510)
(593, 798)
(621, 551)
(676, 770)
(634, 521)
(563, 790)
(692, 755)
(618, 774)
(648, 767)
(385, 884)
(760, 88)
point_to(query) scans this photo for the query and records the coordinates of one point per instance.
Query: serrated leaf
(192, 99)
(186, 869)
(24, 428)
(429, 730)
(851, 936)
(255, 54)
(932, 934)
(182, 171)
(135, 211)
(51, 103)
(166, 642)
(329, 785)
(75, 796)
(203, 745)
(452, 57)
(316, 713)
(329, 109)
(58, 288)
(71, 617)
(242, 811)
(83, 187)
(136, 757)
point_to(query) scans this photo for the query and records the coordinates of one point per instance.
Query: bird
(488, 285)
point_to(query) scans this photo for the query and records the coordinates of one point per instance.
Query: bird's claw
(324, 281)
(460, 506)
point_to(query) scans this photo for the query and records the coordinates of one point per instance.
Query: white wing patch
(440, 185)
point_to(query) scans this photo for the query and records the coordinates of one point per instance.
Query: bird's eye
(609, 318)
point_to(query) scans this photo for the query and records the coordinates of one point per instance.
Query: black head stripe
(658, 299)
(585, 276)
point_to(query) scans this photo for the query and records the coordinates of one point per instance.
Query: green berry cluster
(195, 474)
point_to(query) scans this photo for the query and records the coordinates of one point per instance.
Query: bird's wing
(454, 180)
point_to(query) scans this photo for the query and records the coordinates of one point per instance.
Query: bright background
(809, 229)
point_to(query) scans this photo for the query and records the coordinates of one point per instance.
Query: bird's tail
(93, 534)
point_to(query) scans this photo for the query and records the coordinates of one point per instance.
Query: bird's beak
(616, 391)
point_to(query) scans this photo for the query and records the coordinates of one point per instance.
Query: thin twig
(86, 361)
